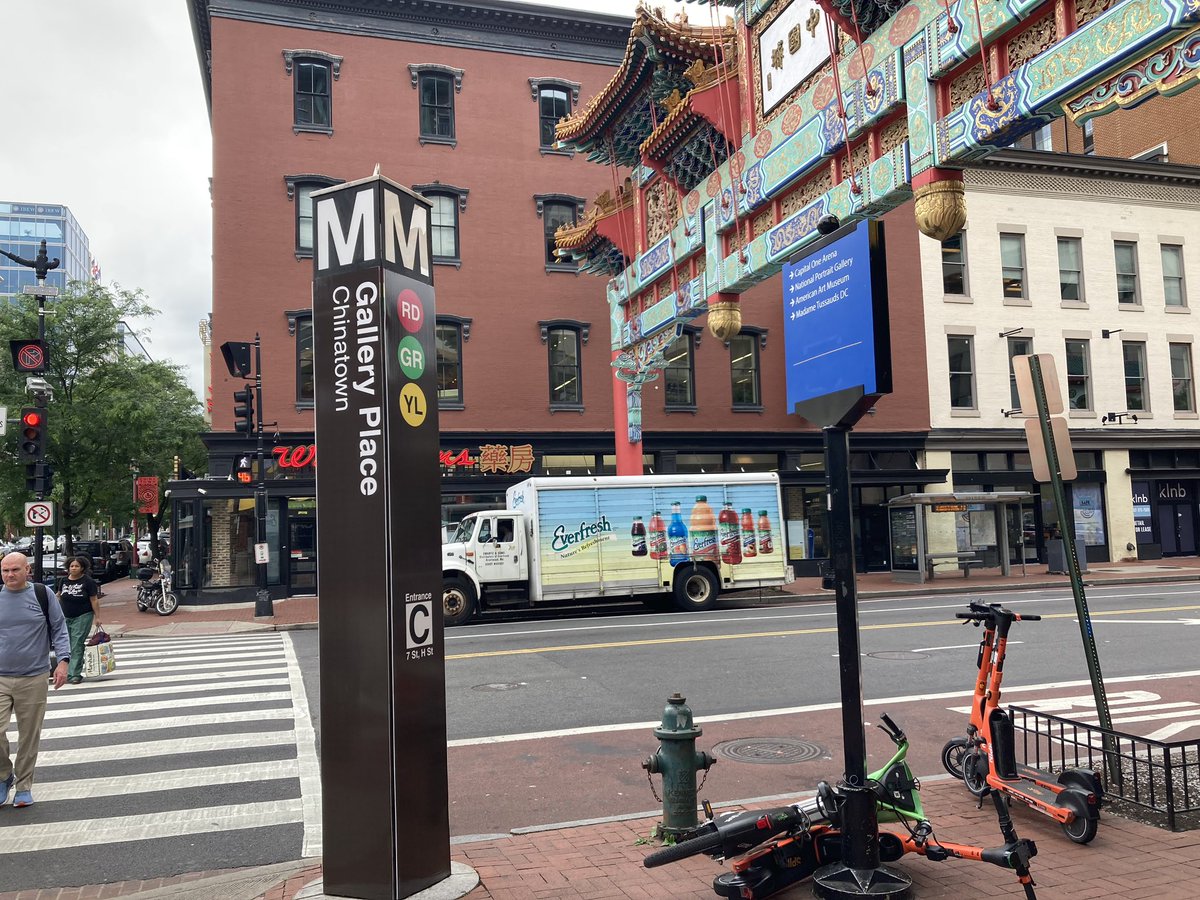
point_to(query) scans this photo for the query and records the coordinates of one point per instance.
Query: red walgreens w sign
(145, 494)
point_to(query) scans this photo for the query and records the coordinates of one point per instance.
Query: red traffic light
(32, 419)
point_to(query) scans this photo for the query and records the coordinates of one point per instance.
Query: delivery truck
(682, 537)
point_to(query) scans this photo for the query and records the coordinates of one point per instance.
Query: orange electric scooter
(986, 759)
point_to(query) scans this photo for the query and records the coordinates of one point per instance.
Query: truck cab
(486, 561)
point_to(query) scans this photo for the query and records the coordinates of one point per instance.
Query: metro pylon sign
(384, 771)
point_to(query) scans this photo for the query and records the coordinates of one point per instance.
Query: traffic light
(243, 411)
(32, 439)
(245, 471)
(39, 478)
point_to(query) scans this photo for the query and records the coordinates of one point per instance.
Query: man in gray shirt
(24, 662)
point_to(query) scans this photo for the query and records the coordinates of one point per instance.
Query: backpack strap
(43, 598)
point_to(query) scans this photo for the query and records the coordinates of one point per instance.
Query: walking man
(26, 635)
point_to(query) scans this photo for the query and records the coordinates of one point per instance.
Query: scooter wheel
(1081, 829)
(975, 772)
(952, 756)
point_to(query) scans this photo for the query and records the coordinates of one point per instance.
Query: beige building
(1089, 260)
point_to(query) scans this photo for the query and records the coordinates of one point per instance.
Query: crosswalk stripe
(274, 639)
(147, 826)
(95, 692)
(50, 730)
(187, 704)
(141, 749)
(159, 660)
(120, 785)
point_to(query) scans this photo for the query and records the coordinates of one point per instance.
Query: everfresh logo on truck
(583, 537)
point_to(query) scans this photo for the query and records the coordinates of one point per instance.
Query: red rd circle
(410, 310)
(30, 357)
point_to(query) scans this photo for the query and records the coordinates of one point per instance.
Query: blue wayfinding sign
(835, 318)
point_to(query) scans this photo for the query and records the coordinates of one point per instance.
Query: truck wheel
(458, 600)
(696, 588)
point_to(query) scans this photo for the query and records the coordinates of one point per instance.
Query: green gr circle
(411, 357)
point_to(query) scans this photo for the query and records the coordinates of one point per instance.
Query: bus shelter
(933, 534)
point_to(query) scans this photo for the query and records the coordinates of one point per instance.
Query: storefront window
(692, 463)
(577, 464)
(753, 462)
(807, 523)
(185, 544)
(229, 543)
(1089, 513)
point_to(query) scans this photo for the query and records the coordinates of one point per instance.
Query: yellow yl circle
(412, 405)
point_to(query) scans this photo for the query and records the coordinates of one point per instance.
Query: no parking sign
(39, 514)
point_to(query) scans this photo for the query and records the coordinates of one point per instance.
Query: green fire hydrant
(678, 761)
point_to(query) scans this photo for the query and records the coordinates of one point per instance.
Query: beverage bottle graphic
(658, 537)
(764, 533)
(749, 544)
(704, 531)
(677, 536)
(730, 535)
(639, 537)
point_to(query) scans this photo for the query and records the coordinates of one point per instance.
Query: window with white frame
(1079, 374)
(1134, 355)
(1172, 269)
(1125, 253)
(962, 370)
(1070, 269)
(566, 368)
(954, 264)
(1017, 346)
(1182, 387)
(1012, 264)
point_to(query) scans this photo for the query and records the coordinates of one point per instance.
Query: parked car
(110, 559)
(25, 545)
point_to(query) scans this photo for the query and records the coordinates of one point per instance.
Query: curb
(237, 884)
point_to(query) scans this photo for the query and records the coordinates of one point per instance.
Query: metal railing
(1159, 776)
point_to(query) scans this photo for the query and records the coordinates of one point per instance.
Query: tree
(112, 412)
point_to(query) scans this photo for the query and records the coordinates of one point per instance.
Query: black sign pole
(385, 809)
(41, 265)
(826, 281)
(262, 598)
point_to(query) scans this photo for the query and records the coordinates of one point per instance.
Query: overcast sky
(105, 114)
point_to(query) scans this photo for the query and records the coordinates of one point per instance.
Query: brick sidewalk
(1127, 860)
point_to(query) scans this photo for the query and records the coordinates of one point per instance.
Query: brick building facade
(459, 102)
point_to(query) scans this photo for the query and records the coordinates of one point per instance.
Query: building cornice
(518, 28)
(1080, 165)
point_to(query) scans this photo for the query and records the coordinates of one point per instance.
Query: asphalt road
(509, 679)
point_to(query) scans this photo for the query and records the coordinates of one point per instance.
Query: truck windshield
(463, 534)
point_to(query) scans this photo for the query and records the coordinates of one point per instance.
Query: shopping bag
(98, 659)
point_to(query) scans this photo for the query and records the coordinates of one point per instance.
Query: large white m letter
(411, 240)
(346, 240)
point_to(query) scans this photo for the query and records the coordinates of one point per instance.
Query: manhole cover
(898, 654)
(499, 686)
(769, 750)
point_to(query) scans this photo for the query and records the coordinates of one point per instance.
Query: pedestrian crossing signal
(244, 470)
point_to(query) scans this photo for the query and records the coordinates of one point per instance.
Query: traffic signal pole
(41, 265)
(262, 602)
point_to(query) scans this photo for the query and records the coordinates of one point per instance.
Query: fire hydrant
(677, 760)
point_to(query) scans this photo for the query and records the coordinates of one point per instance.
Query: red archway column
(629, 455)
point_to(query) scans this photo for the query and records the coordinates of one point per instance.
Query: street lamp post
(41, 265)
(262, 601)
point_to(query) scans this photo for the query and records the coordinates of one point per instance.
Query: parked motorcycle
(154, 589)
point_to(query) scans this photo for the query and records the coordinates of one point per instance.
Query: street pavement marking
(955, 647)
(148, 826)
(707, 638)
(142, 749)
(141, 783)
(306, 758)
(184, 746)
(105, 688)
(798, 710)
(180, 720)
(185, 705)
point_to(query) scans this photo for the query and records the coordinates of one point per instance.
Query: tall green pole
(1067, 528)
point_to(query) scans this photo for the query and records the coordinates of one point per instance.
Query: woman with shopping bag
(80, 598)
